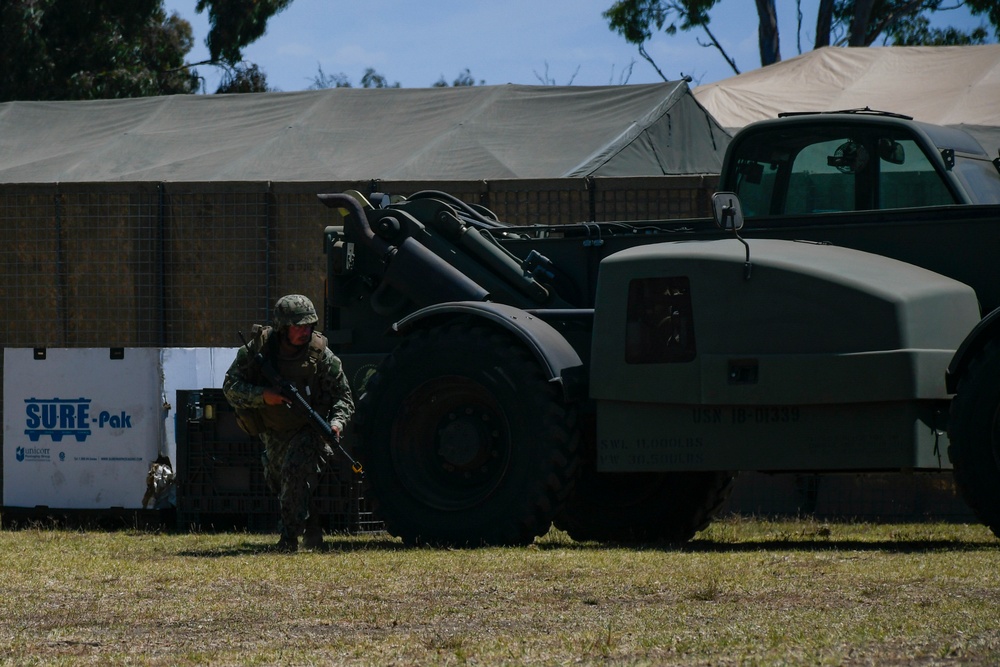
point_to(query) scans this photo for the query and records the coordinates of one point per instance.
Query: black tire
(637, 507)
(974, 435)
(466, 443)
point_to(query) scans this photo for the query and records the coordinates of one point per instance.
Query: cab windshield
(836, 168)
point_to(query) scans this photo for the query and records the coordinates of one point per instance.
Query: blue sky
(514, 41)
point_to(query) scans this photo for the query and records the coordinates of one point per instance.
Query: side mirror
(891, 151)
(727, 212)
(751, 171)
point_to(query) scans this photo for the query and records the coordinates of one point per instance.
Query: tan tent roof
(947, 85)
(476, 132)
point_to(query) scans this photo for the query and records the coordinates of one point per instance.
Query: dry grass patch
(743, 592)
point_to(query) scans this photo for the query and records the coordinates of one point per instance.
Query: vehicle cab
(814, 163)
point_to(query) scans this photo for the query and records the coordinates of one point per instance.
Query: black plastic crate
(220, 476)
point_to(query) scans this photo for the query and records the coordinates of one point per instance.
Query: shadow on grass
(807, 543)
(817, 545)
(388, 544)
(113, 519)
(267, 545)
(820, 544)
(815, 538)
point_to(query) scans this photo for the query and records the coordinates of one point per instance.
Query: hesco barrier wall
(187, 264)
(190, 264)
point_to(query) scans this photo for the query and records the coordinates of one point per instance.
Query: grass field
(745, 592)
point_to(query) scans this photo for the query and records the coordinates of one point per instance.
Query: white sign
(80, 428)
(189, 368)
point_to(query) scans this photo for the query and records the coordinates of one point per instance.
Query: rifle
(298, 402)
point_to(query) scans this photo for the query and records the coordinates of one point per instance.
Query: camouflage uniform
(294, 454)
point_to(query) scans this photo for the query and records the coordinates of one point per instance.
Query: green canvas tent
(462, 133)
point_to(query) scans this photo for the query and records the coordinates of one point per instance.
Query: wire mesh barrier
(129, 268)
(187, 264)
(191, 264)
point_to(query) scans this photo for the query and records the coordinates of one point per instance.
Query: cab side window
(907, 178)
(863, 173)
(823, 177)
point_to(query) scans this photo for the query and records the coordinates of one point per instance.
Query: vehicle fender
(987, 329)
(558, 359)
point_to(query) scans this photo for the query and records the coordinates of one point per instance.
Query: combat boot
(312, 538)
(287, 544)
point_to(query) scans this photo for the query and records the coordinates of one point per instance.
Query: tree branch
(649, 59)
(824, 23)
(912, 7)
(715, 44)
(767, 32)
(190, 65)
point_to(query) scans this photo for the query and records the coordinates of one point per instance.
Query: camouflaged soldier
(294, 454)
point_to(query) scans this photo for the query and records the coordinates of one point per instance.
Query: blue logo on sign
(61, 417)
(32, 453)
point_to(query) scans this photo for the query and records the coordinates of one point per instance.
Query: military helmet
(294, 309)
